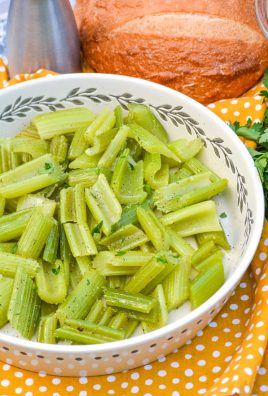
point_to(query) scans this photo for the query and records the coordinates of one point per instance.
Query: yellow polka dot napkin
(228, 358)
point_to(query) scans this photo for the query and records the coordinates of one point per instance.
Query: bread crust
(198, 47)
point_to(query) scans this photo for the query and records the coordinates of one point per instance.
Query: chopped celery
(50, 280)
(9, 264)
(62, 121)
(95, 328)
(6, 287)
(134, 301)
(218, 237)
(153, 228)
(59, 148)
(186, 149)
(127, 237)
(105, 121)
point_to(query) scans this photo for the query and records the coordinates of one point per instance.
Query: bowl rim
(229, 284)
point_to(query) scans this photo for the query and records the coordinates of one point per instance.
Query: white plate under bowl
(242, 202)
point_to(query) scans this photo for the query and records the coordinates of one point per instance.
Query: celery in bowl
(129, 213)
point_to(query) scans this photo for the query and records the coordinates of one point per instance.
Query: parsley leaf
(56, 271)
(223, 215)
(120, 253)
(161, 259)
(48, 165)
(131, 166)
(97, 228)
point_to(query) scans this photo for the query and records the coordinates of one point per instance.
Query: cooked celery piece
(206, 284)
(107, 316)
(135, 150)
(202, 252)
(186, 149)
(144, 275)
(35, 147)
(149, 142)
(80, 204)
(78, 145)
(176, 285)
(194, 219)
(162, 319)
(48, 206)
(80, 239)
(65, 253)
(11, 205)
(176, 174)
(134, 301)
(156, 174)
(29, 131)
(129, 214)
(118, 112)
(108, 264)
(79, 337)
(84, 264)
(6, 287)
(170, 262)
(218, 237)
(143, 116)
(24, 308)
(61, 122)
(95, 328)
(35, 235)
(127, 180)
(118, 321)
(75, 275)
(104, 122)
(46, 329)
(153, 228)
(114, 147)
(85, 177)
(13, 225)
(195, 166)
(59, 148)
(9, 263)
(78, 303)
(67, 206)
(95, 313)
(134, 258)
(52, 244)
(128, 237)
(8, 247)
(207, 262)
(5, 156)
(103, 204)
(2, 205)
(116, 282)
(151, 317)
(84, 161)
(47, 309)
(50, 280)
(101, 142)
(130, 327)
(179, 244)
(32, 176)
(166, 198)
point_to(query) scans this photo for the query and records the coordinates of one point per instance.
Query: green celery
(133, 301)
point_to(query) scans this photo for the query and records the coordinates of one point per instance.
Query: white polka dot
(84, 393)
(31, 394)
(245, 297)
(247, 105)
(175, 393)
(234, 101)
(257, 120)
(189, 385)
(211, 105)
(228, 343)
(18, 391)
(249, 357)
(111, 378)
(214, 338)
(29, 381)
(212, 324)
(259, 324)
(124, 385)
(203, 378)
(233, 307)
(200, 347)
(201, 363)
(216, 369)
(174, 364)
(264, 388)
(265, 288)
(238, 335)
(69, 388)
(224, 111)
(236, 113)
(18, 374)
(43, 389)
(5, 382)
(261, 351)
(246, 388)
(258, 107)
(175, 380)
(148, 382)
(246, 311)
(56, 381)
(148, 367)
(261, 337)
(248, 371)
(162, 386)
(226, 330)
(135, 389)
(188, 356)
(200, 333)
(216, 354)
(135, 376)
(188, 373)
(162, 373)
(202, 391)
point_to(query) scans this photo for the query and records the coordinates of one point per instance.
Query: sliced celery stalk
(118, 321)
(156, 173)
(62, 121)
(103, 204)
(9, 263)
(78, 145)
(46, 329)
(95, 328)
(207, 262)
(143, 116)
(186, 149)
(79, 337)
(218, 237)
(134, 301)
(35, 235)
(179, 244)
(206, 284)
(51, 249)
(202, 253)
(80, 239)
(59, 148)
(153, 228)
(128, 237)
(6, 287)
(194, 219)
(101, 142)
(31, 200)
(95, 312)
(105, 121)
(25, 305)
(159, 295)
(13, 225)
(129, 214)
(35, 147)
(195, 166)
(84, 161)
(81, 299)
(50, 280)
(114, 147)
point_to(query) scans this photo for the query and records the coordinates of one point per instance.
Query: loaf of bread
(207, 49)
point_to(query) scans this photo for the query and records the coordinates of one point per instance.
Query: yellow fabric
(229, 357)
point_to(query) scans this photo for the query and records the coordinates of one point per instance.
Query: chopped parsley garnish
(97, 228)
(48, 166)
(223, 215)
(56, 271)
(161, 259)
(131, 166)
(120, 253)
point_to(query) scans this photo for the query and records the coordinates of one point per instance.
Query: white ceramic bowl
(224, 153)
